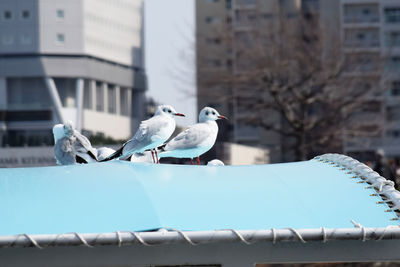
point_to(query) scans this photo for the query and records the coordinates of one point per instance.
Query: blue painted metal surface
(118, 195)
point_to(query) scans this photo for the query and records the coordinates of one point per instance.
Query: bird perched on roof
(215, 162)
(196, 139)
(71, 146)
(151, 134)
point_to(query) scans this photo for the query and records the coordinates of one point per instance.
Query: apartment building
(78, 60)
(369, 35)
(236, 19)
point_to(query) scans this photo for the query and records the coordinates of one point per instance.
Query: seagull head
(68, 129)
(167, 110)
(210, 114)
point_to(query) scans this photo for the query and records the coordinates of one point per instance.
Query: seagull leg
(191, 161)
(152, 155)
(198, 160)
(155, 151)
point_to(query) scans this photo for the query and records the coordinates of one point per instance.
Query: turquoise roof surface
(125, 196)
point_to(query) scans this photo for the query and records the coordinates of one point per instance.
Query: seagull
(71, 146)
(151, 134)
(195, 140)
(215, 162)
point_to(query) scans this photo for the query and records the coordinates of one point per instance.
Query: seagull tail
(114, 155)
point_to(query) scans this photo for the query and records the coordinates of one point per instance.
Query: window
(229, 4)
(124, 100)
(394, 64)
(395, 88)
(371, 106)
(392, 39)
(213, 41)
(214, 63)
(99, 97)
(393, 113)
(26, 14)
(7, 39)
(361, 13)
(392, 15)
(87, 96)
(112, 99)
(7, 14)
(266, 15)
(209, 19)
(393, 133)
(60, 13)
(60, 37)
(26, 39)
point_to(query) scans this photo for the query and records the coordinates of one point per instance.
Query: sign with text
(26, 157)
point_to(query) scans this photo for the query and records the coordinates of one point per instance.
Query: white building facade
(78, 60)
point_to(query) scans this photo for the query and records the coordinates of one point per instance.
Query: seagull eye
(213, 113)
(169, 111)
(207, 113)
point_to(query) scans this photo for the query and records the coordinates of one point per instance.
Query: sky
(169, 55)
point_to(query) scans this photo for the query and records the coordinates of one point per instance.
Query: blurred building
(233, 19)
(371, 30)
(78, 60)
(368, 30)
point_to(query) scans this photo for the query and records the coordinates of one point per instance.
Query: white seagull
(151, 134)
(71, 146)
(195, 140)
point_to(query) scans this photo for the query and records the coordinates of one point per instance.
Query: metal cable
(297, 234)
(139, 238)
(240, 236)
(33, 241)
(273, 235)
(119, 238)
(84, 242)
(324, 237)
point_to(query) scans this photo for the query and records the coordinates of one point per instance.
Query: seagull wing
(145, 135)
(141, 133)
(84, 146)
(190, 138)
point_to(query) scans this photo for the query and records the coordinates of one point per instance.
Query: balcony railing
(361, 19)
(362, 44)
(244, 3)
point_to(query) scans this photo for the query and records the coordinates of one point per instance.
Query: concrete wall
(246, 155)
(113, 30)
(69, 25)
(19, 33)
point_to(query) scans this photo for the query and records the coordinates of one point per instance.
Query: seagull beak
(222, 117)
(179, 114)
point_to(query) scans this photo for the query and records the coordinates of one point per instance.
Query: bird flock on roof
(149, 144)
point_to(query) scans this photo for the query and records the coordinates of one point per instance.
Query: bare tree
(292, 77)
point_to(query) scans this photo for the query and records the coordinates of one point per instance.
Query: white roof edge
(383, 187)
(163, 237)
